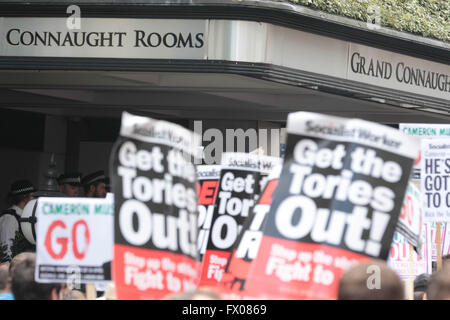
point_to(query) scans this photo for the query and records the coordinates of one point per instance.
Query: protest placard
(410, 221)
(428, 131)
(74, 240)
(337, 202)
(431, 240)
(446, 240)
(242, 178)
(408, 256)
(400, 257)
(246, 246)
(435, 179)
(424, 130)
(155, 184)
(208, 185)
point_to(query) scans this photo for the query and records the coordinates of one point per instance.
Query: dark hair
(421, 282)
(23, 285)
(15, 199)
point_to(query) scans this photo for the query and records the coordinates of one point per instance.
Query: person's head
(419, 295)
(23, 285)
(69, 184)
(94, 185)
(420, 285)
(68, 294)
(439, 284)
(4, 278)
(16, 260)
(371, 280)
(446, 259)
(21, 192)
(199, 294)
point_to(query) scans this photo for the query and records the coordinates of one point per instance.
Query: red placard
(143, 274)
(307, 271)
(337, 203)
(241, 179)
(247, 246)
(155, 203)
(207, 188)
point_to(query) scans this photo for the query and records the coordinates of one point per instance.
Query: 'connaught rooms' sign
(223, 40)
(103, 38)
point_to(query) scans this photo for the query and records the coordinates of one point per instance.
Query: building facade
(68, 69)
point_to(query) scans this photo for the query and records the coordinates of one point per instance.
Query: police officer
(94, 185)
(69, 184)
(20, 194)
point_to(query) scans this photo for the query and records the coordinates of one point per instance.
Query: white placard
(400, 257)
(435, 179)
(424, 130)
(431, 234)
(75, 238)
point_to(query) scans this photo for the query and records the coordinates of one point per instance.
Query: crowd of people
(17, 282)
(17, 264)
(358, 283)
